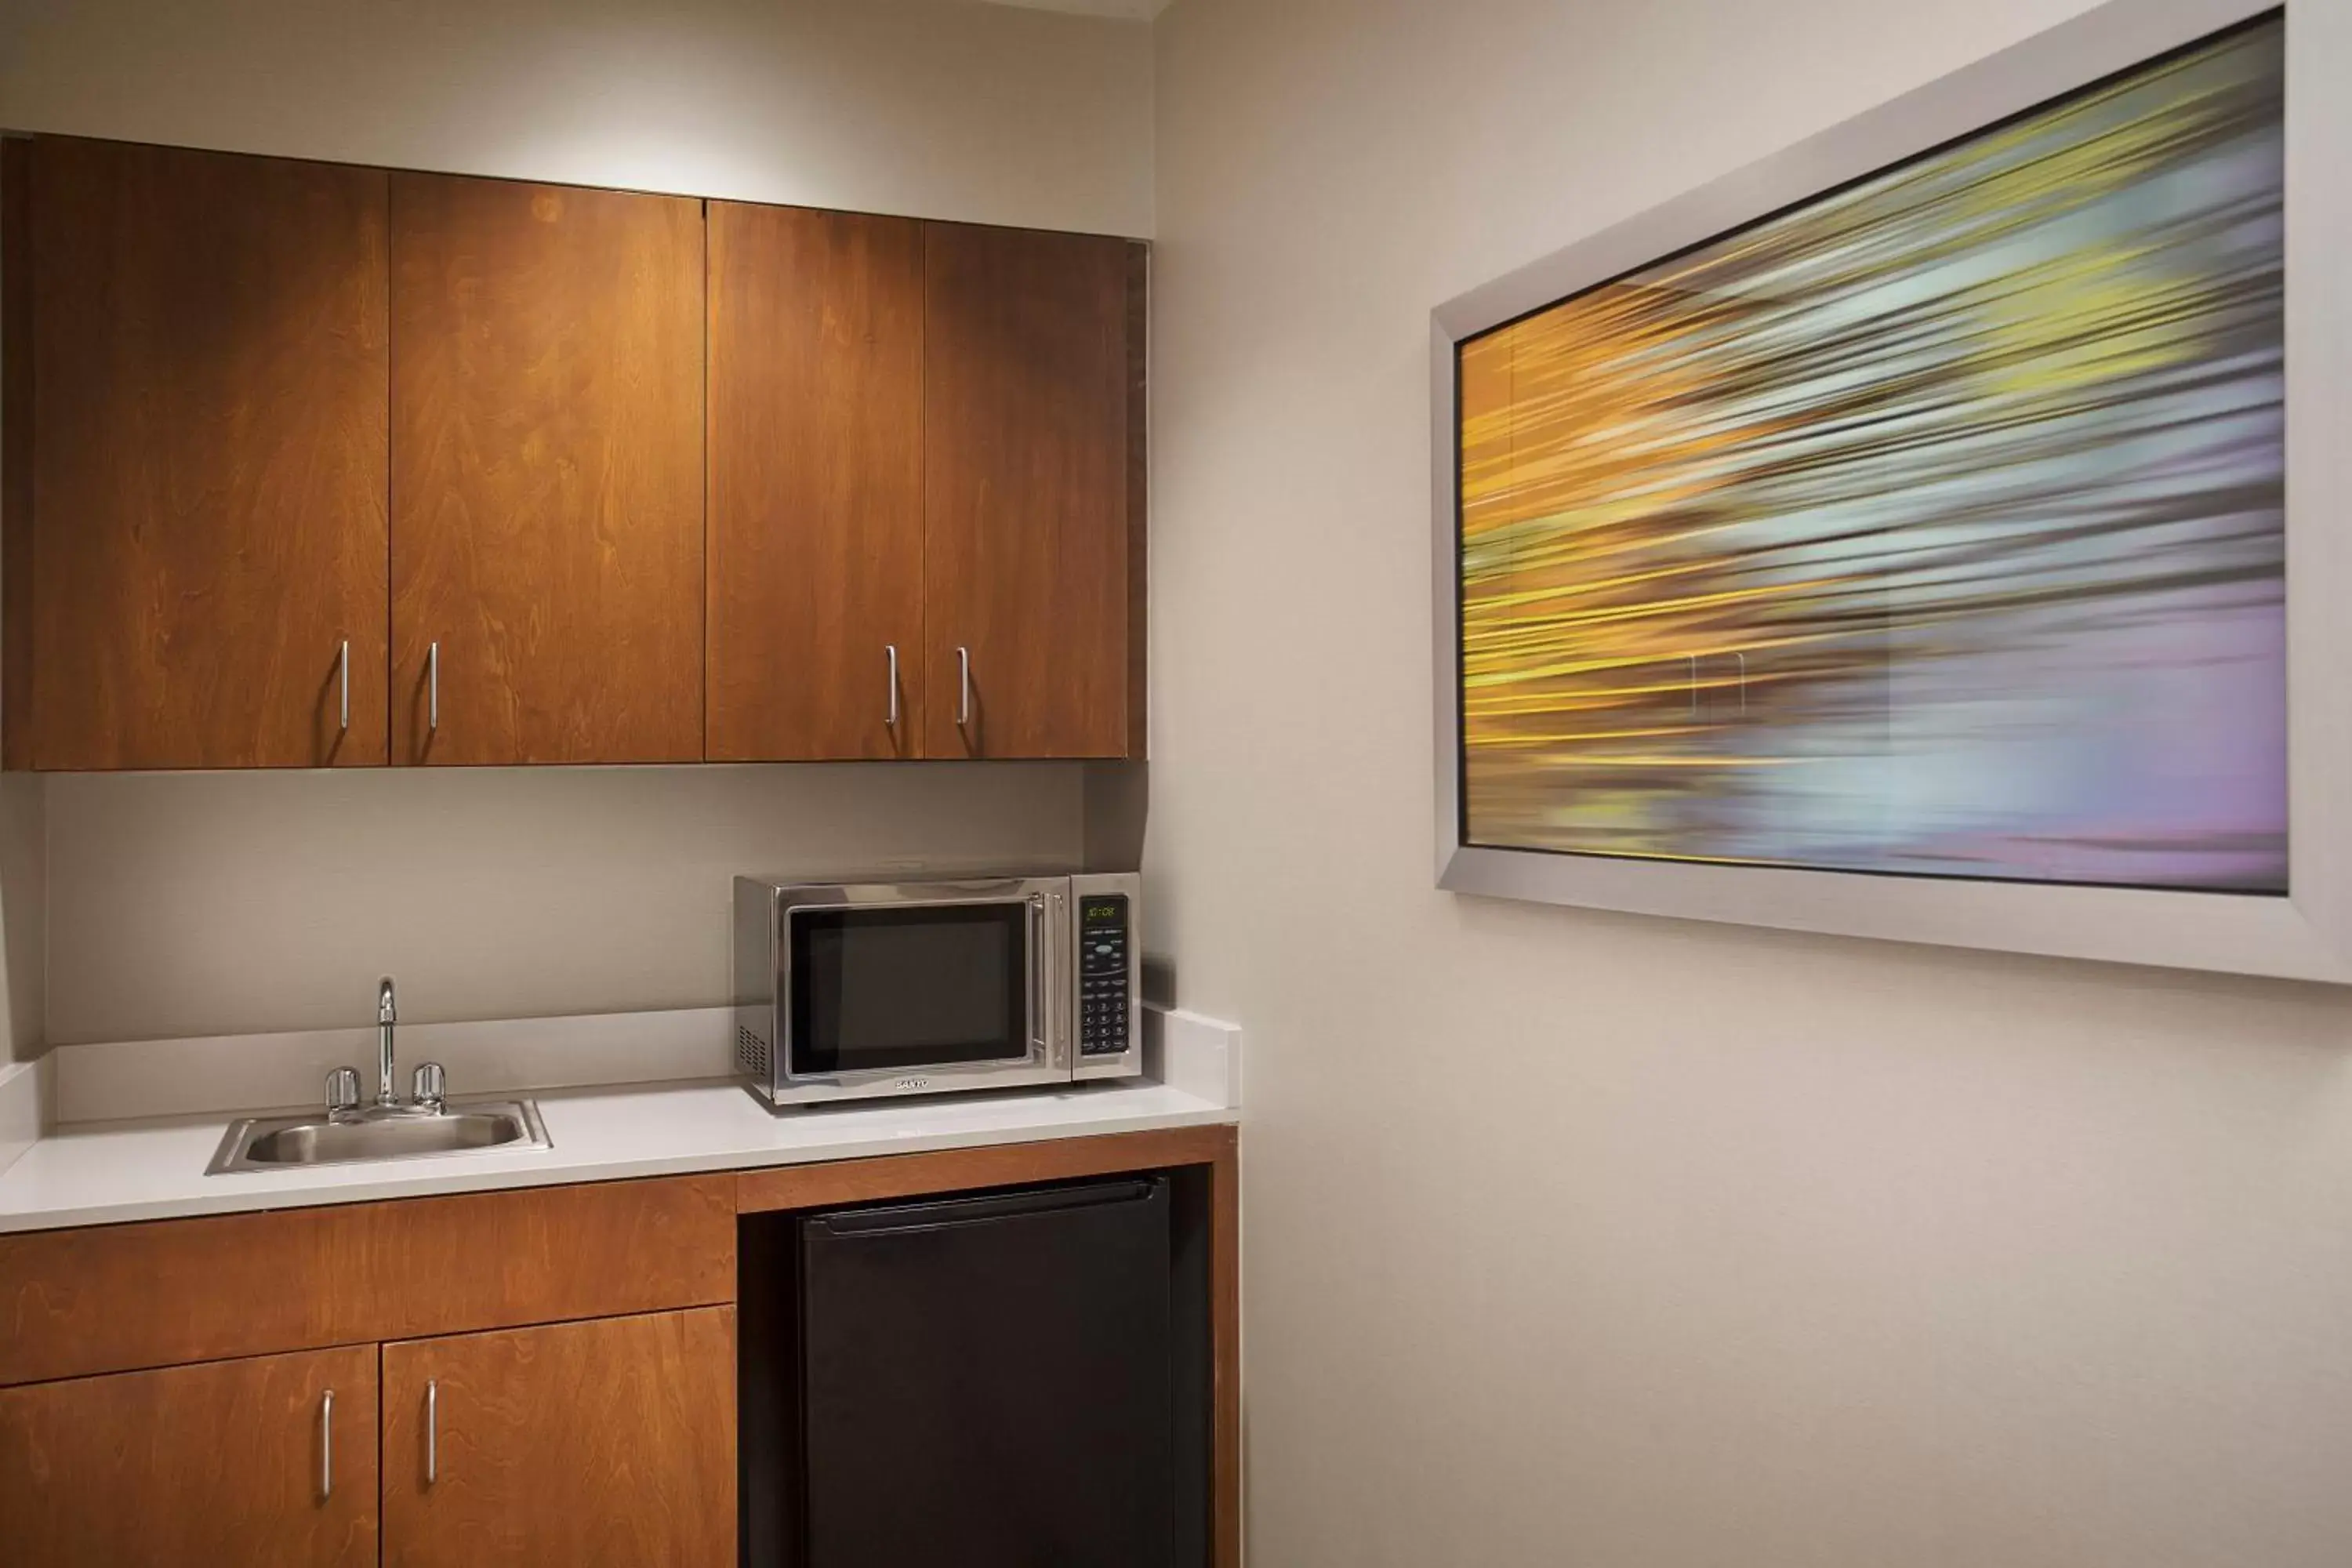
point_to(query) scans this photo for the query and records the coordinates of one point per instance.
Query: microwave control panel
(1103, 992)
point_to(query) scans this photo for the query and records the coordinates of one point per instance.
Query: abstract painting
(1933, 526)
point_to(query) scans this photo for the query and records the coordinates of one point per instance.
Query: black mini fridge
(1002, 1380)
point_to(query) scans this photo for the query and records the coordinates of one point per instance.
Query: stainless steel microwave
(851, 991)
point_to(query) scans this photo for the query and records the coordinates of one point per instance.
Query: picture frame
(2304, 934)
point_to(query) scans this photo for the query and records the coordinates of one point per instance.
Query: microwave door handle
(1040, 1028)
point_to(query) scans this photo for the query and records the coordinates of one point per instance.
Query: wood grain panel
(78, 1301)
(15, 454)
(608, 1442)
(208, 485)
(1226, 1353)
(1139, 494)
(218, 1464)
(489, 1260)
(546, 472)
(816, 484)
(1026, 483)
(964, 1170)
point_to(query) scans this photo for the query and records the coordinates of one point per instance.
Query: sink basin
(289, 1141)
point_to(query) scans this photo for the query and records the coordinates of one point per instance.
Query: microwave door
(910, 997)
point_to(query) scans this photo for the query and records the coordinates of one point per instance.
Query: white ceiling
(1135, 10)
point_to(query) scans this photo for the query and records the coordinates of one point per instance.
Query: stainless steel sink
(287, 1141)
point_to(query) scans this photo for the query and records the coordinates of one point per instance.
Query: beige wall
(927, 107)
(217, 903)
(1593, 1240)
(181, 904)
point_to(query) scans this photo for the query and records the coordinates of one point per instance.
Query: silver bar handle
(432, 687)
(343, 663)
(327, 1444)
(1038, 1032)
(892, 650)
(432, 1431)
(964, 682)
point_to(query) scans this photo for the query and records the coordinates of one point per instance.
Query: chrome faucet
(387, 1016)
(427, 1090)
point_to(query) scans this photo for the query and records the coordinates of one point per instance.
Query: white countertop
(103, 1174)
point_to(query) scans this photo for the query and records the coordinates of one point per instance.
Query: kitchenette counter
(105, 1172)
(151, 1306)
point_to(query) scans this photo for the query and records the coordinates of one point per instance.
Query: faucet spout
(430, 1097)
(386, 1016)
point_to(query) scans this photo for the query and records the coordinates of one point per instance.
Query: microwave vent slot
(750, 1052)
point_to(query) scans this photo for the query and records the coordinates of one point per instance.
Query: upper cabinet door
(206, 519)
(270, 1462)
(1032, 433)
(816, 485)
(546, 473)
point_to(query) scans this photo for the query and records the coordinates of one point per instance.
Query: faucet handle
(428, 1085)
(343, 1090)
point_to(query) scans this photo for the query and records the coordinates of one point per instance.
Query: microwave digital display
(908, 986)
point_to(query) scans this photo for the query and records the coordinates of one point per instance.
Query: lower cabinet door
(610, 1441)
(266, 1461)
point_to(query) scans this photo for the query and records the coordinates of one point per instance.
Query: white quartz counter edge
(109, 1173)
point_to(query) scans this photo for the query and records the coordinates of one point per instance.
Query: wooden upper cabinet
(1033, 561)
(547, 464)
(306, 465)
(816, 485)
(204, 411)
(608, 1442)
(250, 1462)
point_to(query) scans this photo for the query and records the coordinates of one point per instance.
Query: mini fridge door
(987, 1381)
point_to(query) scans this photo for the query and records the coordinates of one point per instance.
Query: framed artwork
(1898, 537)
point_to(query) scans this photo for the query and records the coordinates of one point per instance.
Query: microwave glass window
(899, 987)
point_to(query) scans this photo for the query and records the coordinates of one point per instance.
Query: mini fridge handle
(946, 1212)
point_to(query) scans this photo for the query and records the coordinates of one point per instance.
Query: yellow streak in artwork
(1658, 607)
(1707, 763)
